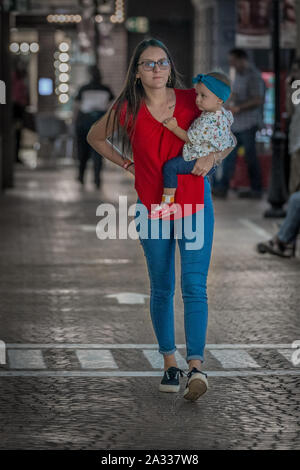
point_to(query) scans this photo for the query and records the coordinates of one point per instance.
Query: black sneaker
(196, 385)
(277, 247)
(170, 380)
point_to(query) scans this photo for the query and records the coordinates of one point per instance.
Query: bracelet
(127, 164)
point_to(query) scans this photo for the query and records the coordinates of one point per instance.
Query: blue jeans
(178, 166)
(291, 225)
(247, 139)
(160, 258)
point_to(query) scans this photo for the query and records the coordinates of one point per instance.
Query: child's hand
(170, 123)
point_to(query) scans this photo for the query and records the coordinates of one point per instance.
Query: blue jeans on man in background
(290, 227)
(247, 139)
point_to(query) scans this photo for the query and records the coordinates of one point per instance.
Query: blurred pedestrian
(151, 94)
(91, 103)
(246, 104)
(284, 242)
(293, 112)
(20, 99)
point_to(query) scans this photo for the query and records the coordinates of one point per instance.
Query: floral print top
(208, 133)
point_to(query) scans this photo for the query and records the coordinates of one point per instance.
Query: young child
(209, 132)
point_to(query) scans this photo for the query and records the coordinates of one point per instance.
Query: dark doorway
(173, 23)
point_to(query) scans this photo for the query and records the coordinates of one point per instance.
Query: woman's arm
(97, 139)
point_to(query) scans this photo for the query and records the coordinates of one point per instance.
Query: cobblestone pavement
(81, 364)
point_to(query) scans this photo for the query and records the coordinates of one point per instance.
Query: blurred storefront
(224, 24)
(53, 42)
(56, 40)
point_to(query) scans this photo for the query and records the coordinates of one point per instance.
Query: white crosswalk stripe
(287, 354)
(156, 359)
(142, 373)
(96, 359)
(26, 359)
(231, 359)
(139, 346)
(238, 359)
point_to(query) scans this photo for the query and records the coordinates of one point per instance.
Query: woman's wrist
(131, 169)
(127, 163)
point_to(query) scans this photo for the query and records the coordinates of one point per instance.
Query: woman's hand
(203, 165)
(170, 123)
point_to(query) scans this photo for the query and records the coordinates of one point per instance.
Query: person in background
(293, 112)
(20, 99)
(246, 104)
(91, 103)
(284, 242)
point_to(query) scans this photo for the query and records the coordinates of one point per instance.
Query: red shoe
(162, 210)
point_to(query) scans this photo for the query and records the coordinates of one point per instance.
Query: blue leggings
(160, 258)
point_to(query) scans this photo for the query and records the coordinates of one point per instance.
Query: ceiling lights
(119, 15)
(24, 47)
(63, 18)
(62, 71)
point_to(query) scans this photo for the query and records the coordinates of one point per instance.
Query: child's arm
(171, 124)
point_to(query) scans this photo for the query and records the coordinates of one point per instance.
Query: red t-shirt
(153, 144)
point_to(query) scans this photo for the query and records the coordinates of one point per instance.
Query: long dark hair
(133, 93)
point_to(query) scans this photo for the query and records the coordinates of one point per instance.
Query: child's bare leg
(168, 195)
(170, 191)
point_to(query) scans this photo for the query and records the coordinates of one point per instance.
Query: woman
(148, 98)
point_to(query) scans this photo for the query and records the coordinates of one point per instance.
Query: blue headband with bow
(219, 88)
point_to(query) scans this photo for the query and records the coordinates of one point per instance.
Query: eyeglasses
(149, 65)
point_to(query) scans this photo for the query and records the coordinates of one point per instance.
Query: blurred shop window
(45, 86)
(264, 135)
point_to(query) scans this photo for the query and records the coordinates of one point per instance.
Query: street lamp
(277, 194)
